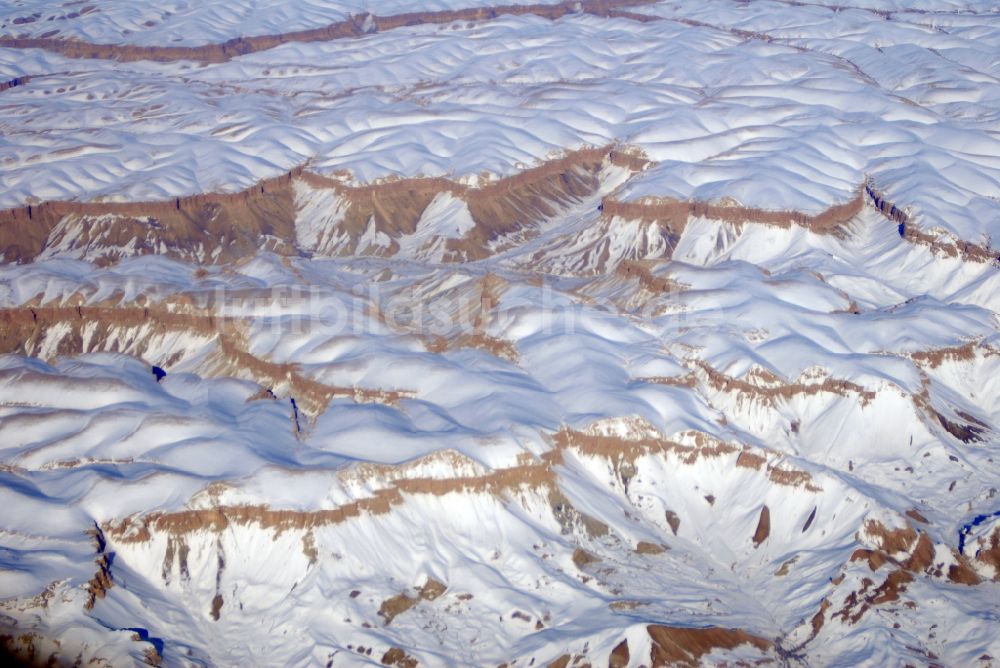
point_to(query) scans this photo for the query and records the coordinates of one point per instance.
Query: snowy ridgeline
(456, 431)
(574, 460)
(770, 105)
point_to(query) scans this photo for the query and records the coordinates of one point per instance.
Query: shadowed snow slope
(627, 334)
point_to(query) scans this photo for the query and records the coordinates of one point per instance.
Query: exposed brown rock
(962, 573)
(352, 27)
(963, 353)
(571, 519)
(98, 585)
(890, 545)
(673, 521)
(494, 346)
(680, 646)
(916, 545)
(890, 590)
(309, 548)
(216, 607)
(180, 523)
(818, 619)
(227, 227)
(394, 207)
(220, 227)
(650, 548)
(884, 206)
(534, 195)
(777, 389)
(619, 656)
(989, 554)
(151, 657)
(432, 589)
(13, 83)
(675, 213)
(583, 558)
(632, 158)
(398, 658)
(626, 604)
(750, 460)
(685, 380)
(561, 662)
(24, 649)
(875, 558)
(939, 245)
(400, 603)
(891, 541)
(967, 433)
(785, 567)
(129, 329)
(763, 527)
(499, 207)
(395, 606)
(793, 478)
(639, 271)
(922, 554)
(632, 448)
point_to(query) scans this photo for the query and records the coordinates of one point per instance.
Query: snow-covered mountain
(612, 332)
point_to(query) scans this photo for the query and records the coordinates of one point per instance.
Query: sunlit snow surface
(192, 23)
(772, 105)
(796, 118)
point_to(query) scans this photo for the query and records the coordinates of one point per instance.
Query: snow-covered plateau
(615, 332)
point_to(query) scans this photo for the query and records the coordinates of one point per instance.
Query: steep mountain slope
(626, 334)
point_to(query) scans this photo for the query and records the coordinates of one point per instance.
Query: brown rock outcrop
(763, 529)
(130, 329)
(398, 658)
(681, 646)
(98, 585)
(967, 251)
(619, 656)
(13, 83)
(226, 227)
(355, 26)
(675, 213)
(219, 518)
(989, 554)
(212, 227)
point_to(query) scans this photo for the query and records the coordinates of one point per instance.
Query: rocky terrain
(625, 333)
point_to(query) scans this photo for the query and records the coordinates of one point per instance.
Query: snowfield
(183, 22)
(793, 114)
(651, 334)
